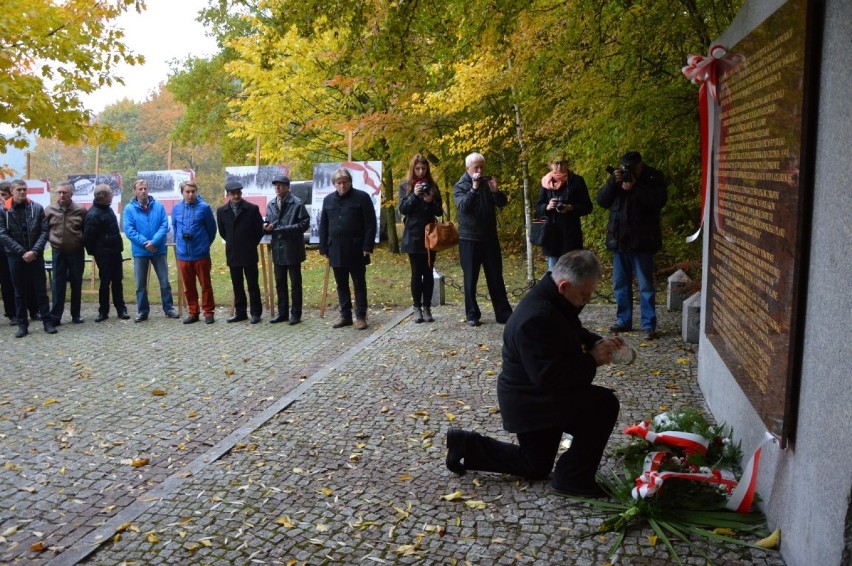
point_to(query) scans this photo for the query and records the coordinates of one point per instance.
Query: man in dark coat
(7, 288)
(477, 200)
(241, 226)
(347, 235)
(545, 388)
(23, 232)
(102, 239)
(287, 219)
(634, 194)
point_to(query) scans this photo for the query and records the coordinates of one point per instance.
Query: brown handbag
(441, 236)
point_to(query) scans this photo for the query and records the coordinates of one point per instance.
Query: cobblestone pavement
(273, 444)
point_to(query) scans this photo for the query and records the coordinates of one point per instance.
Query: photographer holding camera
(563, 199)
(195, 230)
(634, 194)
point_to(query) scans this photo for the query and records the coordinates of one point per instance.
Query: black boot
(418, 315)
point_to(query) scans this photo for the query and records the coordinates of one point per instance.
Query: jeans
(161, 268)
(295, 274)
(29, 279)
(189, 272)
(359, 283)
(422, 280)
(67, 268)
(624, 264)
(111, 271)
(551, 262)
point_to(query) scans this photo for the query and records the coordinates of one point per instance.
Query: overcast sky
(166, 30)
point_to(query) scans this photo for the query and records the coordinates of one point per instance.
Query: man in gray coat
(286, 220)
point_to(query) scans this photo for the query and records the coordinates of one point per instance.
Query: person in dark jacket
(419, 203)
(102, 239)
(241, 226)
(634, 194)
(195, 231)
(347, 236)
(545, 387)
(65, 234)
(563, 199)
(477, 200)
(23, 233)
(286, 220)
(7, 288)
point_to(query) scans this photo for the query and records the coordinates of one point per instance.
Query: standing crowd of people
(545, 388)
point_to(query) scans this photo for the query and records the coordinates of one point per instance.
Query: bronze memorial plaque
(762, 194)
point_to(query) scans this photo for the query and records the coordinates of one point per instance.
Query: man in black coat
(241, 226)
(347, 234)
(287, 219)
(634, 194)
(545, 388)
(102, 239)
(477, 200)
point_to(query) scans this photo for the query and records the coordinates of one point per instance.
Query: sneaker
(361, 324)
(190, 319)
(341, 322)
(618, 327)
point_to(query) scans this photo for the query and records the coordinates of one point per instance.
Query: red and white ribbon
(743, 496)
(688, 442)
(651, 479)
(702, 71)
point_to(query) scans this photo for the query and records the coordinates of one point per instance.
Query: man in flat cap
(241, 226)
(287, 219)
(634, 194)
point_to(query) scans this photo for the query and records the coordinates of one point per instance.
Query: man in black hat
(634, 194)
(241, 226)
(287, 219)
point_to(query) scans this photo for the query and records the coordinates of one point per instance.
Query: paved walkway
(161, 443)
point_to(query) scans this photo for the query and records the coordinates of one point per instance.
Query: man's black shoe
(278, 318)
(123, 315)
(593, 491)
(649, 334)
(22, 331)
(456, 439)
(172, 314)
(190, 319)
(78, 320)
(474, 323)
(50, 328)
(103, 316)
(294, 321)
(620, 328)
(13, 321)
(255, 318)
(341, 322)
(238, 318)
(141, 317)
(209, 319)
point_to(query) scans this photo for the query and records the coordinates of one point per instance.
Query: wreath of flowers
(679, 476)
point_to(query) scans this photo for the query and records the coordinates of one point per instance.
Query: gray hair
(577, 267)
(65, 184)
(342, 172)
(102, 190)
(473, 158)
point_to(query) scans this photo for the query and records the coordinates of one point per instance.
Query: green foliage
(50, 53)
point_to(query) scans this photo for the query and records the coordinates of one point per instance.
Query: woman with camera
(563, 199)
(419, 203)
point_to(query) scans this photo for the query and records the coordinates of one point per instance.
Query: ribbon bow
(702, 71)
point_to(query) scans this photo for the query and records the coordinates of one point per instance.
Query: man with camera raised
(195, 231)
(634, 194)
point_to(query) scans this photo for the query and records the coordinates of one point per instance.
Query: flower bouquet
(679, 477)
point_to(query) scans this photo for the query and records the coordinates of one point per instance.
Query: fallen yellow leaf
(49, 402)
(451, 417)
(139, 462)
(38, 547)
(158, 392)
(285, 521)
(652, 539)
(474, 504)
(771, 541)
(152, 537)
(724, 532)
(454, 496)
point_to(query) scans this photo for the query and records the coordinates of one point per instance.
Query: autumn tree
(51, 52)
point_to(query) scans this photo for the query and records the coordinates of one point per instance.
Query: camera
(560, 204)
(186, 236)
(626, 174)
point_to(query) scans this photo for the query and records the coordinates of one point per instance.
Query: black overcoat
(347, 228)
(545, 360)
(418, 213)
(242, 233)
(566, 225)
(634, 215)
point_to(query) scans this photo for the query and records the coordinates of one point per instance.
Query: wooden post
(257, 153)
(29, 165)
(97, 160)
(169, 158)
(262, 249)
(324, 298)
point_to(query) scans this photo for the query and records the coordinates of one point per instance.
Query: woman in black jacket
(563, 199)
(419, 203)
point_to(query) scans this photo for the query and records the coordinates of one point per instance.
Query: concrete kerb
(90, 543)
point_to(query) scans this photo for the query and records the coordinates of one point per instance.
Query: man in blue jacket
(195, 231)
(146, 224)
